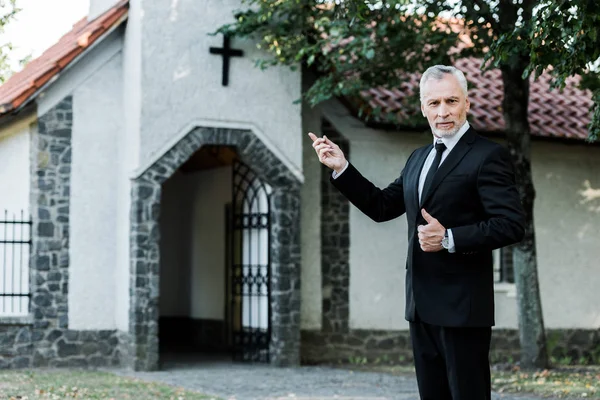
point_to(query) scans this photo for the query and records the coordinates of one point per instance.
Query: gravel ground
(232, 381)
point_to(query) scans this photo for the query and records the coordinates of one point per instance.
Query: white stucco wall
(129, 150)
(567, 221)
(192, 281)
(95, 82)
(15, 137)
(97, 7)
(15, 172)
(207, 259)
(97, 124)
(181, 81)
(567, 227)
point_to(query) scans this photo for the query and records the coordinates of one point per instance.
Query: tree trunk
(534, 353)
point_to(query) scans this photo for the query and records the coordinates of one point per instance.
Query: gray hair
(437, 72)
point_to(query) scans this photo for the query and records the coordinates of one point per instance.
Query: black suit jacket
(473, 193)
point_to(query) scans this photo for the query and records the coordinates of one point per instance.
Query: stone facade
(578, 346)
(569, 346)
(285, 244)
(390, 347)
(335, 246)
(16, 347)
(43, 339)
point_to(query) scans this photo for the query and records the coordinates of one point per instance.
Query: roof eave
(9, 109)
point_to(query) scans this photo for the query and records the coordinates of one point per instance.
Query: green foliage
(553, 338)
(8, 11)
(563, 38)
(351, 45)
(357, 360)
(355, 45)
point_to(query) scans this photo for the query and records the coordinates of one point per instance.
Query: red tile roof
(565, 114)
(24, 84)
(551, 114)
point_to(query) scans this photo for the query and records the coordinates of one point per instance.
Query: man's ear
(468, 104)
(423, 110)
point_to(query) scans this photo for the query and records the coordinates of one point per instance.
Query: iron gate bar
(251, 343)
(13, 242)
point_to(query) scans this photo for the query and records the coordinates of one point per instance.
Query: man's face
(445, 105)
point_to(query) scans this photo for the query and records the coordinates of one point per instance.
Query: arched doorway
(284, 246)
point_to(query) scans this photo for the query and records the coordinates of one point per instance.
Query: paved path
(260, 382)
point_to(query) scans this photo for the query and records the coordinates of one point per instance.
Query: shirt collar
(451, 141)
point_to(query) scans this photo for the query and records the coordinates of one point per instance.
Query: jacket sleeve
(379, 204)
(504, 222)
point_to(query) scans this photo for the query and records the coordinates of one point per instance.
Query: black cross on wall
(226, 52)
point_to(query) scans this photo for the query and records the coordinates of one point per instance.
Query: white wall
(567, 222)
(192, 280)
(15, 172)
(15, 180)
(567, 227)
(213, 191)
(96, 86)
(98, 7)
(129, 150)
(181, 81)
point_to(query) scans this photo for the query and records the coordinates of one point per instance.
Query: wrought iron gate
(249, 267)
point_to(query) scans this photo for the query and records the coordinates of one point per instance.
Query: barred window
(15, 245)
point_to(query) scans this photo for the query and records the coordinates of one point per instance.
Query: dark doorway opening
(215, 261)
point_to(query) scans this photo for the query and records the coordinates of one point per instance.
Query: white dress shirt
(450, 142)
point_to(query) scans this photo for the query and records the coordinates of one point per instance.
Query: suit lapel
(458, 152)
(415, 175)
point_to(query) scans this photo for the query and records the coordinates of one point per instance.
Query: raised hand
(328, 152)
(431, 235)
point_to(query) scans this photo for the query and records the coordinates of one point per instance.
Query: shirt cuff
(451, 248)
(335, 174)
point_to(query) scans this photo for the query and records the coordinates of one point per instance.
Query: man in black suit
(461, 203)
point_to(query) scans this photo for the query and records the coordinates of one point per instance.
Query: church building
(162, 197)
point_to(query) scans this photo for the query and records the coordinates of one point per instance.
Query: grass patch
(580, 383)
(576, 382)
(67, 384)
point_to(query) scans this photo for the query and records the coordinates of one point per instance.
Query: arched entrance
(283, 232)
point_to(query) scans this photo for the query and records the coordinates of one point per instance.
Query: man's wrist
(448, 241)
(337, 172)
(445, 243)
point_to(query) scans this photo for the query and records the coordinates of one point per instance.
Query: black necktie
(439, 149)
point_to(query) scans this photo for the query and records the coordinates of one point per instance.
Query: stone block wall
(565, 346)
(44, 339)
(16, 348)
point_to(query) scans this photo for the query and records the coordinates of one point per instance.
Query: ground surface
(253, 382)
(193, 379)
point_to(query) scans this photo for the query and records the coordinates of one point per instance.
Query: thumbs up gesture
(430, 235)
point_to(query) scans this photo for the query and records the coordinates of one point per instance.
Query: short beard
(450, 133)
